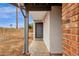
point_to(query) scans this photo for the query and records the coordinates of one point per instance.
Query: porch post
(16, 17)
(26, 31)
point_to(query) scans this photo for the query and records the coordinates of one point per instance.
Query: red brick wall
(70, 22)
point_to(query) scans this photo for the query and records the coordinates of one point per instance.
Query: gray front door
(39, 30)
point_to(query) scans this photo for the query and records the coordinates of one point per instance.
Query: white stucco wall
(46, 31)
(55, 30)
(52, 30)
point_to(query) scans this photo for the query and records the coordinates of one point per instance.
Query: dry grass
(11, 41)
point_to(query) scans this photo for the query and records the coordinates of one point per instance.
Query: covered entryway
(49, 31)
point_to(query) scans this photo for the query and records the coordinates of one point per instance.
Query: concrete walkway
(38, 48)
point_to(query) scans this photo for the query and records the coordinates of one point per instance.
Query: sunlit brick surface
(70, 27)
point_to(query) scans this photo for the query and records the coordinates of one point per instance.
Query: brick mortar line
(67, 49)
(69, 11)
(66, 54)
(71, 40)
(66, 7)
(71, 34)
(71, 46)
(70, 23)
(70, 49)
(64, 12)
(70, 17)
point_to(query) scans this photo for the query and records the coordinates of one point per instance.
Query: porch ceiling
(38, 15)
(38, 10)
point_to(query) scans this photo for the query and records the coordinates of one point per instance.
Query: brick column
(70, 27)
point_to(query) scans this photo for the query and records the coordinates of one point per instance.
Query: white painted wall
(46, 31)
(52, 30)
(55, 30)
